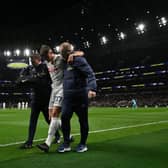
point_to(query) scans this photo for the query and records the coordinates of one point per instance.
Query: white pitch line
(20, 142)
(97, 131)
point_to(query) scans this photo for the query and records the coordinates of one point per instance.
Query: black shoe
(26, 145)
(44, 147)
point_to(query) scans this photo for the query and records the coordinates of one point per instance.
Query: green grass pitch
(132, 138)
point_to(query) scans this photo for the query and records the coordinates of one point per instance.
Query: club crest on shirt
(69, 68)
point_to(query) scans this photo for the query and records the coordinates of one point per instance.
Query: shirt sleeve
(82, 64)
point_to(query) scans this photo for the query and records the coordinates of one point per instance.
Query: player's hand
(70, 58)
(91, 94)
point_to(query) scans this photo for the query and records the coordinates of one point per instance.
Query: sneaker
(81, 148)
(26, 145)
(44, 147)
(64, 148)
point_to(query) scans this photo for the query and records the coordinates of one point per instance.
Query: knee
(56, 111)
(55, 114)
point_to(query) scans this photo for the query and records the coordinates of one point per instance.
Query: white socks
(55, 124)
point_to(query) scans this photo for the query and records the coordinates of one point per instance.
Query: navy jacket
(79, 76)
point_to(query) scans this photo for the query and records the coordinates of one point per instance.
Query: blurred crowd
(110, 100)
(143, 100)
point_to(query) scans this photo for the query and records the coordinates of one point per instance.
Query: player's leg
(55, 123)
(45, 112)
(53, 127)
(54, 113)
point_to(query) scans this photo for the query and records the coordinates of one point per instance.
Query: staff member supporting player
(36, 76)
(79, 82)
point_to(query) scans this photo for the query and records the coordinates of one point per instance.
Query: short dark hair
(44, 49)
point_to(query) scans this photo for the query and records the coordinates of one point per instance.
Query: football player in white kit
(55, 64)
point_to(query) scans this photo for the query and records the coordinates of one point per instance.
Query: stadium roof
(85, 22)
(36, 24)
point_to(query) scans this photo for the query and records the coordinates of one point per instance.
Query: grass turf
(139, 147)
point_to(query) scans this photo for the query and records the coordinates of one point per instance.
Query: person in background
(134, 103)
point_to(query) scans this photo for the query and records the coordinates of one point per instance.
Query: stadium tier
(147, 83)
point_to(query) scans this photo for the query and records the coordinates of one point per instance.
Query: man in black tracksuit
(79, 83)
(36, 77)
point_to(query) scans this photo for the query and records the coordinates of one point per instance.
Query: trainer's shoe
(44, 147)
(64, 148)
(81, 148)
(26, 145)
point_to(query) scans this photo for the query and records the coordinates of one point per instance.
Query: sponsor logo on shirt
(70, 68)
(52, 69)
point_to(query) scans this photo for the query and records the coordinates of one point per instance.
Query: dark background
(30, 25)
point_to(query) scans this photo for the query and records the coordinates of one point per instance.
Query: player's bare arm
(75, 54)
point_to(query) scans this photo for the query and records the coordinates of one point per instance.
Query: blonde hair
(66, 46)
